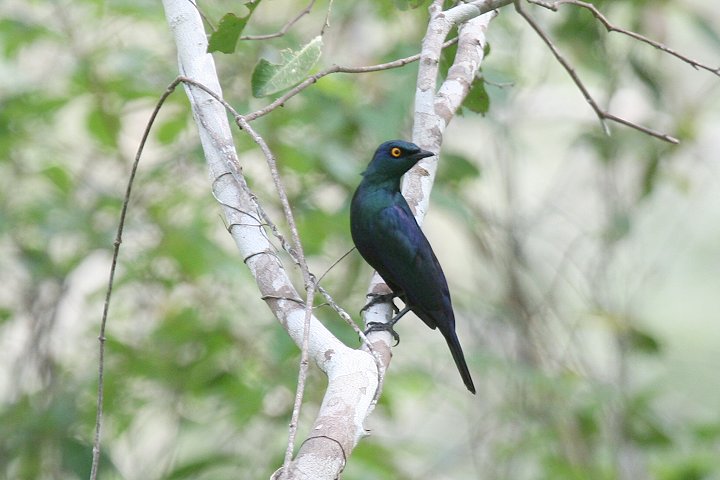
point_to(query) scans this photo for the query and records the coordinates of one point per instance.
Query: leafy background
(583, 267)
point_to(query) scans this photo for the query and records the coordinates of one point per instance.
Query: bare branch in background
(285, 28)
(610, 27)
(601, 113)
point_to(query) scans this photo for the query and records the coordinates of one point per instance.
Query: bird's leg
(376, 298)
(388, 327)
(400, 315)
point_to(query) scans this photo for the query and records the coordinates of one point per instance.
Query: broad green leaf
(59, 177)
(104, 126)
(168, 131)
(447, 57)
(269, 78)
(707, 26)
(477, 99)
(231, 26)
(643, 342)
(649, 76)
(456, 168)
(17, 34)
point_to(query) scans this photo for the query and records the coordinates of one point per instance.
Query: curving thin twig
(285, 28)
(111, 279)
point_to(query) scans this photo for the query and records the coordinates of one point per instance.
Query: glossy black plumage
(389, 239)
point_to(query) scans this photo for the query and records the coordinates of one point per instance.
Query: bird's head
(392, 159)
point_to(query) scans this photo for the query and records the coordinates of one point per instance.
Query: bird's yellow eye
(395, 152)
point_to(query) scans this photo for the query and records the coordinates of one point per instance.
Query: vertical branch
(428, 129)
(434, 110)
(299, 255)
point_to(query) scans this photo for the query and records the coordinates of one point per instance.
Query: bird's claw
(380, 326)
(376, 298)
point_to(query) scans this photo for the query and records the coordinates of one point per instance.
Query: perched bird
(386, 234)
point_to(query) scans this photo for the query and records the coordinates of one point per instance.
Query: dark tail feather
(457, 353)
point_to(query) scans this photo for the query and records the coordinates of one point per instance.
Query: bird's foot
(376, 298)
(380, 326)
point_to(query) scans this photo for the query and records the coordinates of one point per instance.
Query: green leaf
(195, 468)
(104, 126)
(169, 130)
(17, 34)
(643, 342)
(650, 175)
(408, 4)
(647, 75)
(456, 168)
(447, 57)
(477, 99)
(269, 78)
(225, 38)
(707, 27)
(59, 177)
(619, 227)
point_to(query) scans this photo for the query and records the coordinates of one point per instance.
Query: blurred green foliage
(199, 378)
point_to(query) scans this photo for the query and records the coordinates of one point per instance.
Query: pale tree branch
(266, 221)
(352, 374)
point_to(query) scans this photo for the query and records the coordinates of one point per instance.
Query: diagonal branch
(266, 221)
(352, 374)
(601, 113)
(334, 69)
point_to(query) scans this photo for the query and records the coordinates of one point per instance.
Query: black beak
(421, 154)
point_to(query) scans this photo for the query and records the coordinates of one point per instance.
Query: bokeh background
(584, 268)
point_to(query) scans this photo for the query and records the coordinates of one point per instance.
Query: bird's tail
(457, 354)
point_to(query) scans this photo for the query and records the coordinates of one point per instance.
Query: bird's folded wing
(410, 263)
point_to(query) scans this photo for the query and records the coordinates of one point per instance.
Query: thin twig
(601, 114)
(334, 69)
(326, 24)
(284, 28)
(342, 257)
(310, 284)
(610, 27)
(111, 279)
